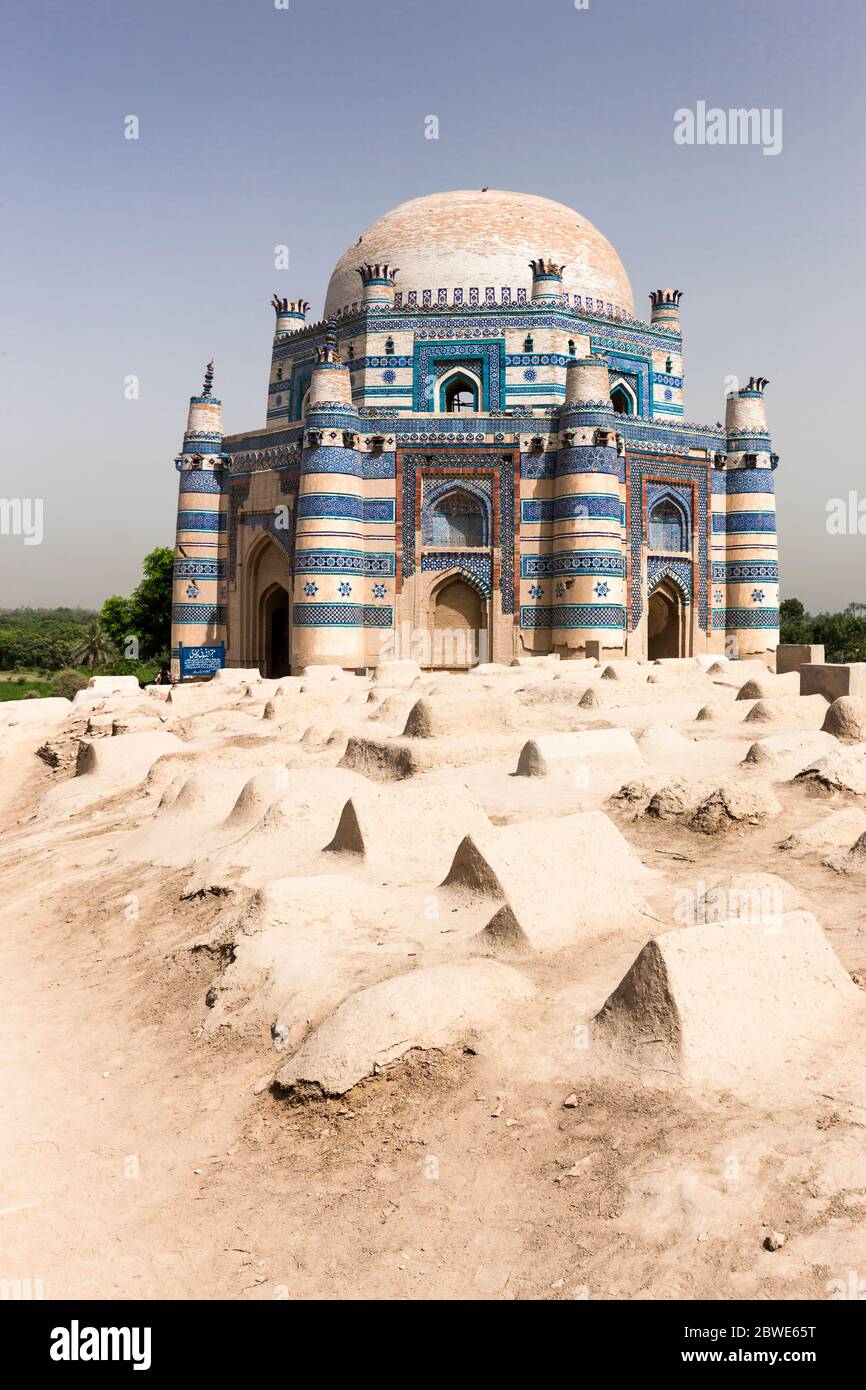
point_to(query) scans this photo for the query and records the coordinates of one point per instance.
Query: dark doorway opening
(665, 625)
(276, 632)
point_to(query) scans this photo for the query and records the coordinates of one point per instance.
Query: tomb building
(479, 452)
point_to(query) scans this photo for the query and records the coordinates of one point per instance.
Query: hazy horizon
(300, 126)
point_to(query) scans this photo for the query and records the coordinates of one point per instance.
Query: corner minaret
(291, 318)
(378, 286)
(751, 568)
(546, 281)
(666, 308)
(330, 541)
(667, 375)
(198, 593)
(291, 315)
(588, 543)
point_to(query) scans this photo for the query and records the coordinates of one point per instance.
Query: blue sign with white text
(201, 661)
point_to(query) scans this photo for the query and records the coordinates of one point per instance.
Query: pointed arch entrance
(666, 622)
(268, 608)
(459, 624)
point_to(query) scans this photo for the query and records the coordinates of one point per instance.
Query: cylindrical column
(291, 315)
(329, 584)
(588, 555)
(666, 308)
(587, 382)
(198, 615)
(751, 569)
(378, 286)
(546, 282)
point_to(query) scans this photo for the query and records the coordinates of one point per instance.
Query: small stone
(570, 1102)
(774, 1241)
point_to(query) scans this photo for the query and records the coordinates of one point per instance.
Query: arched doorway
(265, 637)
(665, 622)
(459, 625)
(274, 629)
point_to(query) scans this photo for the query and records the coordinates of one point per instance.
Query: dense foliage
(146, 614)
(843, 635)
(131, 636)
(41, 639)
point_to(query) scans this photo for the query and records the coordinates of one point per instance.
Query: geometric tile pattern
(487, 461)
(742, 480)
(748, 618)
(673, 472)
(592, 562)
(740, 523)
(435, 526)
(587, 458)
(344, 562)
(187, 568)
(574, 615)
(428, 356)
(341, 615)
(477, 568)
(199, 480)
(680, 571)
(201, 521)
(345, 507)
(330, 458)
(197, 613)
(744, 571)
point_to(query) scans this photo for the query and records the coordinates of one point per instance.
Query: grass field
(15, 685)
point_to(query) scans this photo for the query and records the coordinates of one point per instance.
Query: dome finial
(328, 352)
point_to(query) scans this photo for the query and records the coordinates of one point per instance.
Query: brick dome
(478, 239)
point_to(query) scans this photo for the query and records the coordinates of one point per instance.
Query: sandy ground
(187, 967)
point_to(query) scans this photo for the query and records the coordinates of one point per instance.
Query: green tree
(842, 634)
(116, 620)
(795, 624)
(146, 614)
(151, 603)
(42, 639)
(96, 647)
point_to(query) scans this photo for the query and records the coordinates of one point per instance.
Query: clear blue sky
(261, 126)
